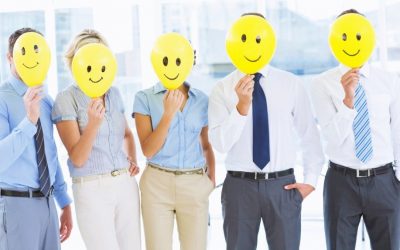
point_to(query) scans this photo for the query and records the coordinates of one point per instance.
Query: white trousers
(108, 212)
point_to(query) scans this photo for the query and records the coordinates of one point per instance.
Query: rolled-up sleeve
(64, 108)
(141, 104)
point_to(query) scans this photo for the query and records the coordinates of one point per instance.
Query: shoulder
(227, 84)
(282, 76)
(327, 78)
(383, 74)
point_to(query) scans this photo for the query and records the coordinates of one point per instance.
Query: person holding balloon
(358, 108)
(30, 173)
(172, 125)
(102, 159)
(254, 113)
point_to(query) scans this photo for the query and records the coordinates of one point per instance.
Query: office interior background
(132, 26)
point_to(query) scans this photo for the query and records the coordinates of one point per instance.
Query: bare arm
(79, 146)
(151, 140)
(208, 153)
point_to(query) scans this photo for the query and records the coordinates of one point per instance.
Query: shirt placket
(181, 136)
(110, 131)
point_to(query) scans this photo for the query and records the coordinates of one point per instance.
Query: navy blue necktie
(44, 177)
(260, 125)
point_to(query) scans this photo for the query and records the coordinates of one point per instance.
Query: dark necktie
(44, 177)
(260, 125)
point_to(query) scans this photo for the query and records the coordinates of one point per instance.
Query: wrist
(243, 108)
(349, 102)
(32, 120)
(167, 116)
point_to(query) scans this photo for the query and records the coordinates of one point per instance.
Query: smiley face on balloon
(172, 58)
(94, 67)
(31, 56)
(352, 39)
(250, 43)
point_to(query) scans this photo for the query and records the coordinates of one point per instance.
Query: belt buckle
(363, 176)
(115, 173)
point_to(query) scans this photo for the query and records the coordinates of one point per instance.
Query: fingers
(34, 92)
(244, 81)
(291, 186)
(134, 170)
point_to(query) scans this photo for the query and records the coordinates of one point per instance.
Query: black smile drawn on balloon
(30, 67)
(351, 54)
(90, 79)
(252, 60)
(171, 79)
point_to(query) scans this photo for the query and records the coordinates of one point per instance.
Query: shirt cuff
(397, 173)
(311, 179)
(237, 117)
(347, 112)
(62, 199)
(27, 127)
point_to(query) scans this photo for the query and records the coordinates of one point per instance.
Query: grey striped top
(107, 153)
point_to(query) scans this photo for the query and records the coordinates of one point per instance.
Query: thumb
(291, 186)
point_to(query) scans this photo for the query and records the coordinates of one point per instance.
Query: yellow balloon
(31, 56)
(172, 58)
(250, 43)
(94, 67)
(352, 40)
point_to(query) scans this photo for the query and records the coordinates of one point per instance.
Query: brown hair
(349, 11)
(253, 14)
(84, 37)
(15, 35)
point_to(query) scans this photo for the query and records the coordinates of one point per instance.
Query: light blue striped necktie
(361, 126)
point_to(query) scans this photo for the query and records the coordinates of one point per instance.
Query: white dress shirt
(382, 91)
(289, 111)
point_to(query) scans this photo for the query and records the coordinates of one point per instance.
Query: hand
(172, 100)
(349, 83)
(133, 167)
(304, 189)
(32, 99)
(96, 112)
(65, 223)
(244, 90)
(212, 178)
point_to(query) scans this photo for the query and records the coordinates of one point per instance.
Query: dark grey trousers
(376, 199)
(245, 202)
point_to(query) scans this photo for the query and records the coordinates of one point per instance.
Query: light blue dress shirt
(182, 148)
(107, 152)
(18, 165)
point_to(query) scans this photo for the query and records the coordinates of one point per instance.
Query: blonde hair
(84, 37)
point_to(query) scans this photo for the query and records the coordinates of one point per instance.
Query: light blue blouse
(182, 148)
(107, 152)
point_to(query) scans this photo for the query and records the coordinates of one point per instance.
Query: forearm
(130, 147)
(80, 152)
(154, 142)
(210, 159)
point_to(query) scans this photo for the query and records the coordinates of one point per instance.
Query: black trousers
(375, 198)
(246, 202)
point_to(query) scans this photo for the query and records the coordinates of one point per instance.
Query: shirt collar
(18, 85)
(158, 88)
(364, 70)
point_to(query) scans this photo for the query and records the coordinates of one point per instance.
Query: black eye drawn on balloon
(258, 39)
(103, 68)
(23, 51)
(89, 68)
(178, 61)
(244, 38)
(358, 36)
(344, 37)
(165, 61)
(36, 48)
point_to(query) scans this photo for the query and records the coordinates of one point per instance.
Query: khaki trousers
(165, 195)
